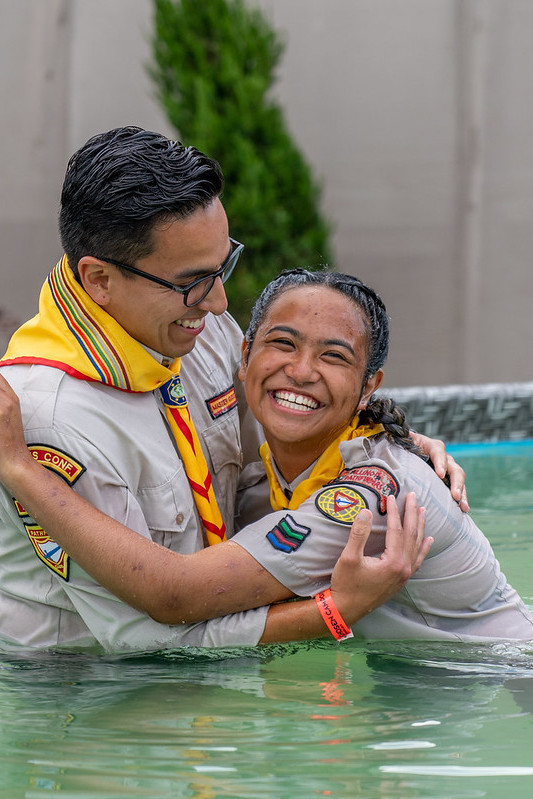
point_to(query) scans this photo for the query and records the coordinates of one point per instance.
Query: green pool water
(391, 721)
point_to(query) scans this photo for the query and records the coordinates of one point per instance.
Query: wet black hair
(123, 183)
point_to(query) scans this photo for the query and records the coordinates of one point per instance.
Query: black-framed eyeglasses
(198, 290)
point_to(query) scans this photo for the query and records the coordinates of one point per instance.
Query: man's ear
(244, 360)
(371, 385)
(95, 279)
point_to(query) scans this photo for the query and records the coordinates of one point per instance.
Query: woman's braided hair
(379, 410)
(383, 410)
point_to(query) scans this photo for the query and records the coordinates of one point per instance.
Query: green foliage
(215, 63)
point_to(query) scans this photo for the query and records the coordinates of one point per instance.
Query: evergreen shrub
(214, 67)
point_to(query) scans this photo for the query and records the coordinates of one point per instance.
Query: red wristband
(328, 610)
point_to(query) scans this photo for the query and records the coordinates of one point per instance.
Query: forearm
(358, 583)
(293, 621)
(102, 546)
(219, 580)
(301, 619)
(134, 567)
(170, 587)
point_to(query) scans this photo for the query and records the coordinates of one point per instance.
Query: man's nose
(215, 301)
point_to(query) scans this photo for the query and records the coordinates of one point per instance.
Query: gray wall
(416, 115)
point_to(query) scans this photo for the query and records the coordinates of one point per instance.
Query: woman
(299, 377)
(312, 359)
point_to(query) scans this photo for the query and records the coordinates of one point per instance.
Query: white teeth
(296, 401)
(192, 323)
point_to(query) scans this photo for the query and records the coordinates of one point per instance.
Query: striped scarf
(73, 333)
(327, 468)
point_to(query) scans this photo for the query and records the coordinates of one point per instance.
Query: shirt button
(179, 518)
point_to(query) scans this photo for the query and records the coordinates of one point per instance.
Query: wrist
(18, 471)
(332, 617)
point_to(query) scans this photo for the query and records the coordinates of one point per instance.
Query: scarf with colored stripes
(73, 333)
(327, 468)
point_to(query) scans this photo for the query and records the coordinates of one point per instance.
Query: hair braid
(383, 410)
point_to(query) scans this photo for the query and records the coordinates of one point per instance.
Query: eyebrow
(339, 343)
(202, 272)
(330, 342)
(194, 273)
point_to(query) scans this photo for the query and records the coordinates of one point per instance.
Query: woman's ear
(371, 385)
(244, 360)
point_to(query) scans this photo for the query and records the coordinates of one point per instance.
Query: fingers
(397, 545)
(4, 385)
(348, 577)
(8, 398)
(439, 458)
(414, 520)
(407, 541)
(395, 538)
(12, 443)
(422, 552)
(434, 449)
(463, 502)
(359, 532)
(444, 464)
(361, 583)
(457, 483)
(457, 477)
(414, 525)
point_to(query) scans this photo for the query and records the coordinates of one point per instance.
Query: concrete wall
(415, 115)
(69, 69)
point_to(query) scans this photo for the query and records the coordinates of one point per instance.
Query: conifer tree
(214, 66)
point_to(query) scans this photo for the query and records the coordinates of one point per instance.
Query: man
(106, 400)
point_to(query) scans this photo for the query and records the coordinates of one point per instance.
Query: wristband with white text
(333, 619)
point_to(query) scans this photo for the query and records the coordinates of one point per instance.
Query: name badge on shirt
(222, 403)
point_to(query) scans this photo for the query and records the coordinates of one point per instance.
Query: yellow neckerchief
(327, 468)
(73, 333)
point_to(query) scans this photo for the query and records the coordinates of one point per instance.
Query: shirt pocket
(170, 513)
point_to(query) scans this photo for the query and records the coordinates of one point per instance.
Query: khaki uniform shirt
(459, 592)
(117, 451)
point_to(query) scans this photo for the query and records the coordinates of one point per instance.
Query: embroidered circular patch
(340, 503)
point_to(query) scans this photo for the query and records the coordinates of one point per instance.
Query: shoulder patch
(45, 547)
(376, 478)
(222, 403)
(48, 551)
(288, 535)
(342, 504)
(59, 461)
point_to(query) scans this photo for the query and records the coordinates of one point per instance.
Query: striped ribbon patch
(288, 535)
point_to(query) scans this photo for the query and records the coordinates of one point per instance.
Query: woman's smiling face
(304, 373)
